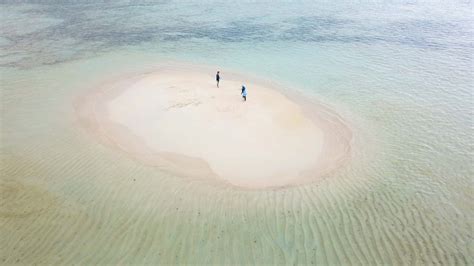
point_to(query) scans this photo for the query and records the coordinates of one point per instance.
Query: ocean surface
(399, 72)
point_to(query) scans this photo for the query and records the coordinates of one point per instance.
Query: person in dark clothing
(218, 78)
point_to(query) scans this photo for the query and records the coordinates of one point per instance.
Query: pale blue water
(401, 72)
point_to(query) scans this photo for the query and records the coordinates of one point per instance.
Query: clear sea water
(400, 72)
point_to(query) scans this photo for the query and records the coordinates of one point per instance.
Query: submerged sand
(176, 119)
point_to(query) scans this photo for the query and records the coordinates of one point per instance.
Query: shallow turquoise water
(401, 72)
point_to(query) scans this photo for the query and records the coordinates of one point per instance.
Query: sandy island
(176, 119)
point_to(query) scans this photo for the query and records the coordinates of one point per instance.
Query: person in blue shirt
(244, 93)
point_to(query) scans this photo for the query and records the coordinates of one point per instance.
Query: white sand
(178, 120)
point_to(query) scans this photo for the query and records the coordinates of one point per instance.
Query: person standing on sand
(244, 93)
(218, 78)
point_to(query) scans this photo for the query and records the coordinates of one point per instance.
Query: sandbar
(175, 118)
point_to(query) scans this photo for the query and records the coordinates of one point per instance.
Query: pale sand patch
(175, 118)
